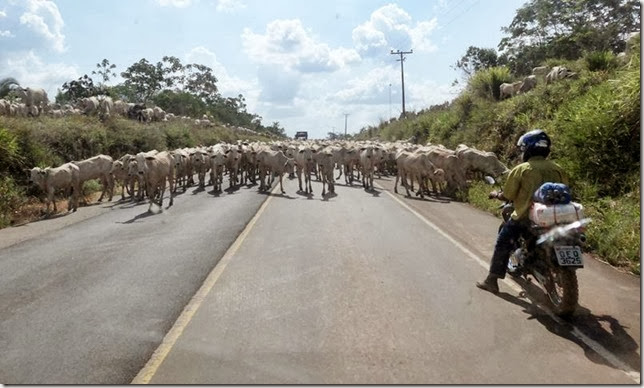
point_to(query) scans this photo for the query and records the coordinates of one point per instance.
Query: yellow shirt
(526, 178)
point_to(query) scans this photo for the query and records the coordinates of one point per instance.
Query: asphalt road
(89, 302)
(357, 288)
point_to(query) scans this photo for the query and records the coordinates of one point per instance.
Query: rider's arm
(512, 185)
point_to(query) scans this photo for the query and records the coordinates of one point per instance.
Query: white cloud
(174, 3)
(289, 44)
(6, 34)
(390, 27)
(370, 88)
(44, 19)
(3, 14)
(230, 6)
(30, 70)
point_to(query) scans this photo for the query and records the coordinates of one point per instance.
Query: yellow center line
(149, 370)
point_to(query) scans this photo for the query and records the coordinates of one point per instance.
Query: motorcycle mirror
(489, 180)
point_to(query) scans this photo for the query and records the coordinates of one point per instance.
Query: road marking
(150, 369)
(595, 346)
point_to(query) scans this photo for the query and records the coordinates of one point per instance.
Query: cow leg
(396, 183)
(281, 187)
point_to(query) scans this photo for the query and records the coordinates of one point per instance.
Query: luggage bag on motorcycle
(548, 215)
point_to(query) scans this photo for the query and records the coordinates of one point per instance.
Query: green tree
(105, 70)
(180, 103)
(476, 59)
(6, 84)
(143, 79)
(201, 82)
(566, 29)
(75, 90)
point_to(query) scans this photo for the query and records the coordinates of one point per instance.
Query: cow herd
(33, 102)
(507, 90)
(149, 174)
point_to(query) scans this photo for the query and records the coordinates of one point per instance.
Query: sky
(311, 65)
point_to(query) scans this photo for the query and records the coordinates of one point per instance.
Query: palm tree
(6, 85)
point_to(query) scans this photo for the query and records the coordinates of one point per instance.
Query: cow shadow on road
(139, 217)
(276, 195)
(604, 330)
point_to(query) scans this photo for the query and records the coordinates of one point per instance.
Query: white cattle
(89, 105)
(200, 163)
(368, 158)
(120, 174)
(509, 90)
(32, 96)
(559, 72)
(105, 107)
(217, 158)
(540, 71)
(481, 162)
(272, 162)
(416, 166)
(146, 115)
(529, 83)
(158, 114)
(304, 164)
(159, 169)
(97, 167)
(325, 160)
(121, 108)
(50, 180)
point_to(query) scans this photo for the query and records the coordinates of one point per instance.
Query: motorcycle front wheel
(563, 290)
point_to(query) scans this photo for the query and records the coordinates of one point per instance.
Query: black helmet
(534, 143)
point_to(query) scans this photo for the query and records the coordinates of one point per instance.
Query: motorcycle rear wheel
(563, 290)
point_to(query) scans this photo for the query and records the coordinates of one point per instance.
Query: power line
(461, 14)
(402, 74)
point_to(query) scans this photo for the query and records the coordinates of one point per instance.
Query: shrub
(12, 198)
(485, 83)
(600, 60)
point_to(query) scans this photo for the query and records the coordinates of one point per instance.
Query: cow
(97, 167)
(559, 72)
(32, 97)
(326, 162)
(509, 90)
(304, 164)
(65, 177)
(368, 159)
(272, 162)
(481, 161)
(159, 168)
(529, 83)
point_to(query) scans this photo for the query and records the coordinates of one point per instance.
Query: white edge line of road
(595, 346)
(150, 369)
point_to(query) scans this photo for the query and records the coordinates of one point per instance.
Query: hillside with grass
(594, 123)
(45, 141)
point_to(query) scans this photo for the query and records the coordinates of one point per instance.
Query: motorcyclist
(523, 180)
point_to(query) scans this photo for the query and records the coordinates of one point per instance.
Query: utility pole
(402, 74)
(345, 125)
(389, 101)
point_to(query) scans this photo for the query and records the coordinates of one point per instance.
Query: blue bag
(551, 193)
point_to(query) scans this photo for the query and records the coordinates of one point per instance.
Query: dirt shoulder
(32, 222)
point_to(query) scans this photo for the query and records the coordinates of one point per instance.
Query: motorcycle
(551, 255)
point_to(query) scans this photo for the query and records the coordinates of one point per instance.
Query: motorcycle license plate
(569, 255)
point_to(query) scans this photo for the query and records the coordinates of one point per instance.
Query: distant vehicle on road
(301, 135)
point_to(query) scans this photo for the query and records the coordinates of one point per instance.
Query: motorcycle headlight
(582, 238)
